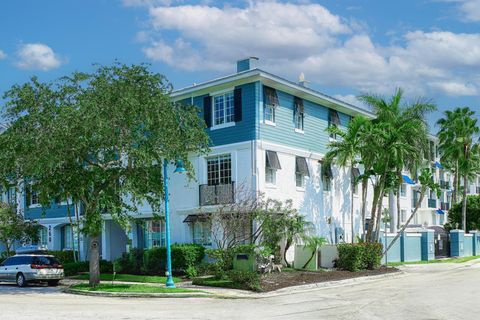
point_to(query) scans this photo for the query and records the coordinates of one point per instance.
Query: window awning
(333, 117)
(407, 179)
(192, 218)
(327, 170)
(272, 160)
(439, 211)
(438, 165)
(301, 166)
(298, 105)
(356, 173)
(271, 97)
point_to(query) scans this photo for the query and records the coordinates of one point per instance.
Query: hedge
(360, 256)
(153, 261)
(74, 268)
(65, 256)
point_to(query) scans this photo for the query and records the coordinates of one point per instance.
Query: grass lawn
(129, 278)
(219, 283)
(449, 260)
(130, 288)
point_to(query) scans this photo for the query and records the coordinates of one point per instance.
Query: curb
(139, 295)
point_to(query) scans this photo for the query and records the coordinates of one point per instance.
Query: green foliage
(313, 243)
(355, 257)
(13, 228)
(223, 258)
(191, 272)
(64, 256)
(74, 268)
(130, 262)
(473, 214)
(247, 279)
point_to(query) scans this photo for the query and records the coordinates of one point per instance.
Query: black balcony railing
(217, 194)
(432, 203)
(444, 184)
(445, 206)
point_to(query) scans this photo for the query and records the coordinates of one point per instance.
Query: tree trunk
(364, 203)
(352, 177)
(455, 184)
(77, 218)
(419, 203)
(464, 204)
(392, 207)
(287, 246)
(376, 235)
(376, 192)
(94, 266)
(399, 210)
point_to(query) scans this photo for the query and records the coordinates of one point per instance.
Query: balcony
(445, 206)
(432, 203)
(444, 184)
(217, 194)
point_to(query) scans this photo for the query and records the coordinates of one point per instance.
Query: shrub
(350, 257)
(223, 258)
(354, 257)
(247, 279)
(131, 262)
(64, 256)
(74, 268)
(372, 255)
(191, 272)
(183, 257)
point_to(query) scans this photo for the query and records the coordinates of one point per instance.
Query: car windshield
(46, 261)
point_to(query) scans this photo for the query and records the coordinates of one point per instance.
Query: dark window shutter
(237, 101)
(207, 110)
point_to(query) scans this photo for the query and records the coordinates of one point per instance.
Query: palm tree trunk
(422, 195)
(455, 184)
(464, 203)
(364, 203)
(379, 216)
(399, 173)
(352, 177)
(376, 194)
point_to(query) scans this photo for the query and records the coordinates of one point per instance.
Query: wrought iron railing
(216, 194)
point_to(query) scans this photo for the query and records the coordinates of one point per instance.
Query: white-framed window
(298, 113)
(327, 176)
(32, 197)
(269, 113)
(403, 215)
(219, 170)
(272, 164)
(269, 104)
(154, 234)
(67, 237)
(12, 195)
(301, 172)
(43, 236)
(333, 121)
(299, 180)
(223, 108)
(202, 233)
(270, 175)
(403, 190)
(299, 121)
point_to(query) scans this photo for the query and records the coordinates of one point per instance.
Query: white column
(106, 240)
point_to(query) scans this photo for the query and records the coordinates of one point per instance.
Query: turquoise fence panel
(468, 245)
(475, 243)
(428, 245)
(394, 254)
(412, 247)
(457, 243)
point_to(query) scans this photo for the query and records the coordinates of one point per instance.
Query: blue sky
(431, 48)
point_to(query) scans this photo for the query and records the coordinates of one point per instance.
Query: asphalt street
(436, 291)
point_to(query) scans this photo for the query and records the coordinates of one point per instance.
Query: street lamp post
(179, 169)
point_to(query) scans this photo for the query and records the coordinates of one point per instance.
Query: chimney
(247, 64)
(302, 81)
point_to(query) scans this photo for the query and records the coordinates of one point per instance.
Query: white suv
(25, 268)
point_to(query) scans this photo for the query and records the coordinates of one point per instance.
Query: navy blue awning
(438, 165)
(439, 211)
(407, 179)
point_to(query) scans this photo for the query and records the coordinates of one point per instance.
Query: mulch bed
(275, 281)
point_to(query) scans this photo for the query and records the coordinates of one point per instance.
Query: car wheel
(53, 283)
(21, 281)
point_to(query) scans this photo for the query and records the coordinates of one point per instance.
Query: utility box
(457, 238)
(244, 262)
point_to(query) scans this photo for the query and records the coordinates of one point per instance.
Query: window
(219, 170)
(269, 105)
(333, 121)
(202, 233)
(298, 113)
(403, 190)
(327, 176)
(154, 234)
(12, 195)
(301, 171)
(272, 164)
(223, 109)
(403, 216)
(43, 237)
(32, 196)
(67, 237)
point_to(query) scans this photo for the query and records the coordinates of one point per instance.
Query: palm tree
(346, 151)
(458, 131)
(399, 139)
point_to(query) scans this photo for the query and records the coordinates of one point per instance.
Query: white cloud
(3, 55)
(470, 10)
(37, 56)
(332, 51)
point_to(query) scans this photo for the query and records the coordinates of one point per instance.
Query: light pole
(179, 169)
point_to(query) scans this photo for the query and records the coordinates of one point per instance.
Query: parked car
(33, 267)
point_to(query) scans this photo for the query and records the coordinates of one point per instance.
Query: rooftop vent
(247, 64)
(302, 81)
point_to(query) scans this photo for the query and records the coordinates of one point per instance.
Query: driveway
(437, 291)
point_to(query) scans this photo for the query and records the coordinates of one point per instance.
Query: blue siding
(54, 211)
(314, 139)
(243, 130)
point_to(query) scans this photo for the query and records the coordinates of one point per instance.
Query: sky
(430, 48)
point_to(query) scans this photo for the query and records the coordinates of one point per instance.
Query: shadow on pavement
(7, 288)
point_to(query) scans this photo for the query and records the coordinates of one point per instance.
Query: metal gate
(442, 245)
